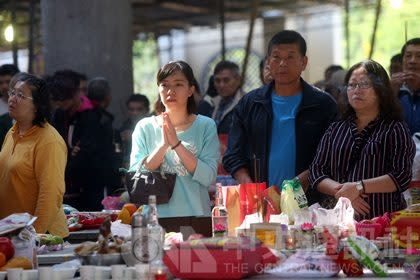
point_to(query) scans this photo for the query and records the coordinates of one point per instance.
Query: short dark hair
(331, 69)
(169, 69)
(40, 95)
(76, 76)
(98, 88)
(396, 58)
(226, 65)
(287, 37)
(414, 41)
(64, 84)
(389, 106)
(8, 70)
(137, 97)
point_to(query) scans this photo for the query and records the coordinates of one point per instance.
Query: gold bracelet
(176, 145)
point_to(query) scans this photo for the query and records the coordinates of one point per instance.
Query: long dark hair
(40, 95)
(168, 70)
(389, 106)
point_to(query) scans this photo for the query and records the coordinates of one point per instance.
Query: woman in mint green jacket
(179, 141)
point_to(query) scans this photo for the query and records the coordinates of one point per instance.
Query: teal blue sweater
(190, 197)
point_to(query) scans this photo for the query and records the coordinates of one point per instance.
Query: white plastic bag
(342, 215)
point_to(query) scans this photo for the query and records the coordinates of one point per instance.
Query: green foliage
(390, 35)
(145, 67)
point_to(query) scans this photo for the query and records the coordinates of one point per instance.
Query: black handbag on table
(140, 184)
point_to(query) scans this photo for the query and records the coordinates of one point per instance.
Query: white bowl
(31, 274)
(63, 273)
(3, 275)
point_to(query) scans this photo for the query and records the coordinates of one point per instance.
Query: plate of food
(88, 220)
(106, 251)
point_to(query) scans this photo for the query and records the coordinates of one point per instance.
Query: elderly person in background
(366, 157)
(33, 159)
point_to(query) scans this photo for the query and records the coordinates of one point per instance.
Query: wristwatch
(359, 186)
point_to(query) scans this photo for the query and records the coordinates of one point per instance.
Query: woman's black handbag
(141, 184)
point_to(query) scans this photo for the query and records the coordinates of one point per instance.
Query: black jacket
(250, 133)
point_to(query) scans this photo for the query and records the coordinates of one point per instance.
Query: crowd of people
(350, 135)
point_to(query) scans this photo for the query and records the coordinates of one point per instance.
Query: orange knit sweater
(32, 177)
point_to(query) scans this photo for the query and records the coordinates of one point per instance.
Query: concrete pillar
(93, 37)
(271, 27)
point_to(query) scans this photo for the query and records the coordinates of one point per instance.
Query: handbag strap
(136, 176)
(138, 171)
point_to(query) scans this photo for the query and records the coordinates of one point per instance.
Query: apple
(6, 247)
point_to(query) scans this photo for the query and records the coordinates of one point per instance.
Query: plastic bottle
(219, 215)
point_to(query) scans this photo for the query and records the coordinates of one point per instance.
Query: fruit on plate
(17, 262)
(6, 247)
(131, 207)
(2, 259)
(124, 216)
(127, 212)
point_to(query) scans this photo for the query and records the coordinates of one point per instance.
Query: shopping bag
(271, 202)
(233, 207)
(250, 196)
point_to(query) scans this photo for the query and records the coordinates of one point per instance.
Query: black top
(381, 148)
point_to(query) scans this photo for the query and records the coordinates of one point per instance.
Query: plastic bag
(112, 203)
(342, 215)
(306, 264)
(292, 198)
(24, 244)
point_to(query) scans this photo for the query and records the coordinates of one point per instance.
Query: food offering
(88, 220)
(106, 251)
(48, 242)
(127, 212)
(405, 228)
(218, 258)
(374, 228)
(8, 260)
(6, 248)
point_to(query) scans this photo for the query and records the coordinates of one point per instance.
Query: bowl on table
(64, 273)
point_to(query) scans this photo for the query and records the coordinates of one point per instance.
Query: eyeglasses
(18, 94)
(360, 85)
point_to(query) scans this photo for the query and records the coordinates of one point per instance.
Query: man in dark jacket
(227, 82)
(276, 128)
(407, 84)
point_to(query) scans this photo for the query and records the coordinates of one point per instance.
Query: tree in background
(145, 66)
(390, 35)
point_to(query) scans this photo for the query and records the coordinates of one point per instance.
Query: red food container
(405, 228)
(369, 230)
(188, 260)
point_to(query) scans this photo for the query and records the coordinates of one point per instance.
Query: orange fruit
(2, 259)
(131, 207)
(124, 216)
